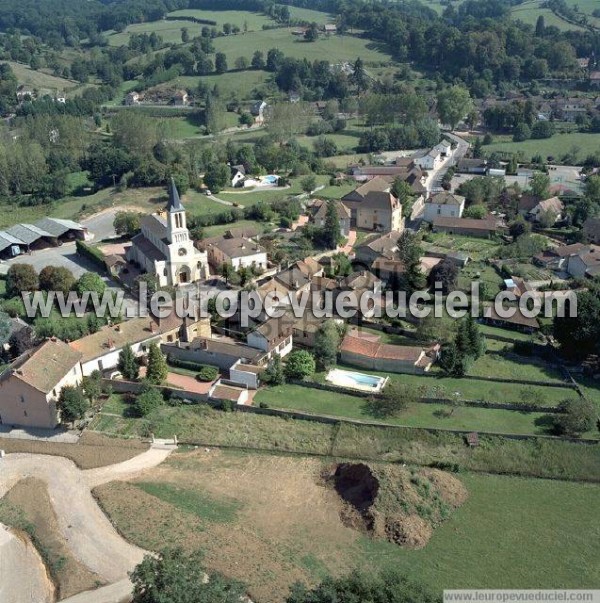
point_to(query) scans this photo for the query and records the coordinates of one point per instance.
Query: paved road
(434, 182)
(87, 531)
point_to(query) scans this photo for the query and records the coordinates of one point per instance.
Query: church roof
(174, 200)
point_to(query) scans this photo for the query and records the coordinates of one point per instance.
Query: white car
(208, 193)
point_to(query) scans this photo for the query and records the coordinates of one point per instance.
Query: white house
(444, 204)
(434, 158)
(239, 252)
(238, 174)
(164, 247)
(258, 110)
(273, 336)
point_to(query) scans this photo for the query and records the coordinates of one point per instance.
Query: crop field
(268, 520)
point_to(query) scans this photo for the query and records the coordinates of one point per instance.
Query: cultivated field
(269, 521)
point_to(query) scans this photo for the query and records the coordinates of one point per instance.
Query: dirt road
(87, 531)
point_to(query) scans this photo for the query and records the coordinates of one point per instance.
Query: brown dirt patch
(395, 504)
(286, 526)
(27, 507)
(92, 451)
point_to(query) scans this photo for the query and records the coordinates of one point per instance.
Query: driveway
(87, 531)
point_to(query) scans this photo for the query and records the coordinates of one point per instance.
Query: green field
(233, 83)
(528, 12)
(511, 533)
(41, 81)
(440, 416)
(334, 49)
(307, 14)
(254, 21)
(556, 146)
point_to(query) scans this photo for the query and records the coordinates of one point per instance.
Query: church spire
(174, 205)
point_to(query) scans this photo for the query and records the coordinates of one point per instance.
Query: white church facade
(164, 248)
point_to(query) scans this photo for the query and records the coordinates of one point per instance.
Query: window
(23, 399)
(439, 210)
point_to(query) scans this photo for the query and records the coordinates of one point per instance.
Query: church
(164, 248)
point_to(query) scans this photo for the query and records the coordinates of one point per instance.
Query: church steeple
(178, 232)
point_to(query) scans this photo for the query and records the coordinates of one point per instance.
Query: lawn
(438, 416)
(514, 367)
(335, 49)
(556, 146)
(476, 389)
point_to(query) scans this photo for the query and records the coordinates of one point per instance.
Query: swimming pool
(359, 381)
(270, 179)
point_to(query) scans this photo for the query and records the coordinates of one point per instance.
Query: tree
(147, 400)
(547, 218)
(409, 253)
(542, 129)
(185, 35)
(308, 184)
(331, 228)
(56, 278)
(540, 185)
(361, 587)
(519, 227)
(220, 62)
(579, 335)
(578, 415)
(92, 386)
(521, 132)
(19, 278)
(327, 342)
(404, 193)
(242, 63)
(299, 364)
(127, 222)
(394, 398)
(176, 577)
(217, 176)
(359, 76)
(312, 33)
(453, 104)
(157, 369)
(540, 26)
(258, 60)
(127, 364)
(72, 403)
(91, 282)
(475, 211)
(446, 273)
(273, 374)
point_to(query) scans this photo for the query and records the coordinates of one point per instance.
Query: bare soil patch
(285, 529)
(27, 508)
(397, 504)
(93, 450)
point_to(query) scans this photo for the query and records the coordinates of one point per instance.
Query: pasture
(556, 146)
(335, 49)
(253, 21)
